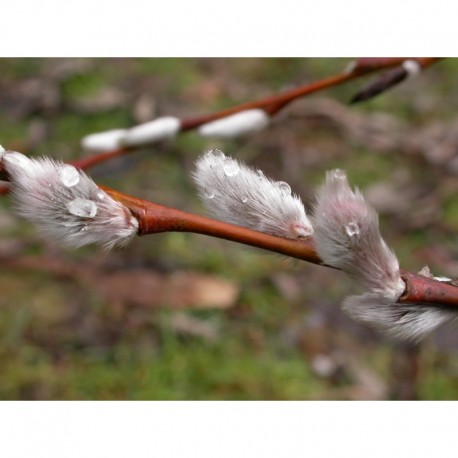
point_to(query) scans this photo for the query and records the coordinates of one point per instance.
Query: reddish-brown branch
(95, 159)
(377, 63)
(428, 290)
(273, 104)
(154, 218)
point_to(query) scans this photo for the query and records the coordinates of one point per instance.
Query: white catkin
(239, 195)
(347, 236)
(103, 141)
(404, 321)
(150, 132)
(65, 204)
(236, 125)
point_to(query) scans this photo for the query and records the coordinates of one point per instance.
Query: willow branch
(271, 105)
(154, 218)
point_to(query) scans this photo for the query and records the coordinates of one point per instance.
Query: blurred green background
(182, 316)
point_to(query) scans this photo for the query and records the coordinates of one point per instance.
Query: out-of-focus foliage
(182, 316)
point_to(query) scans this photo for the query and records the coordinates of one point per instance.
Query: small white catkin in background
(103, 141)
(237, 194)
(236, 125)
(65, 204)
(151, 132)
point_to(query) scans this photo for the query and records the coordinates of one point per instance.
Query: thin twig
(272, 104)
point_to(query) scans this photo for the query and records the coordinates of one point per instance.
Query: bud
(65, 204)
(236, 125)
(383, 82)
(239, 195)
(151, 132)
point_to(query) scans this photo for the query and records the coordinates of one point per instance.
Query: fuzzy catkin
(239, 195)
(65, 204)
(347, 236)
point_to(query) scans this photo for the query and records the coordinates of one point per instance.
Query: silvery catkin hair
(404, 321)
(65, 204)
(347, 236)
(239, 195)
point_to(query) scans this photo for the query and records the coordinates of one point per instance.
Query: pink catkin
(347, 236)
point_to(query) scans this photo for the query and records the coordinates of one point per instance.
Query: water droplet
(209, 193)
(352, 229)
(82, 207)
(69, 175)
(284, 188)
(231, 168)
(217, 154)
(339, 174)
(244, 199)
(101, 195)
